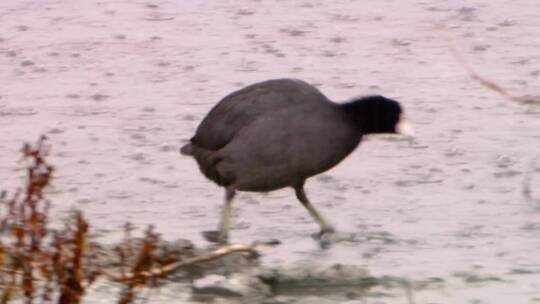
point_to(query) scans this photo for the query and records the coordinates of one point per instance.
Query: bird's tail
(187, 149)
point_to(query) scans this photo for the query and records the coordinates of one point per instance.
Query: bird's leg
(222, 234)
(226, 216)
(301, 195)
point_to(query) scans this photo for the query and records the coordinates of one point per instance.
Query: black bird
(278, 133)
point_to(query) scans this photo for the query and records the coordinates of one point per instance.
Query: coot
(278, 133)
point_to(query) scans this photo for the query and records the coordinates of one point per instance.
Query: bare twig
(524, 99)
(160, 271)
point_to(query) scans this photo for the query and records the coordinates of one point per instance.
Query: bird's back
(238, 109)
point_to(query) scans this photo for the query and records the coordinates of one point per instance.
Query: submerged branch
(160, 271)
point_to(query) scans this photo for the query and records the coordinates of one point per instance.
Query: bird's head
(378, 114)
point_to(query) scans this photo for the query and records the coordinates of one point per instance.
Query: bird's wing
(241, 108)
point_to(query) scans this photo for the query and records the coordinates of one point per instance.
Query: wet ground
(118, 85)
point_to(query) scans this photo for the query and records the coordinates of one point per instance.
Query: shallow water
(119, 85)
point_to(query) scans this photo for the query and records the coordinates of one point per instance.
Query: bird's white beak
(404, 128)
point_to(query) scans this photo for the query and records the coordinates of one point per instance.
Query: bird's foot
(325, 231)
(216, 236)
(325, 236)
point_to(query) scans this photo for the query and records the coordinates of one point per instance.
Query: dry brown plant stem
(45, 265)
